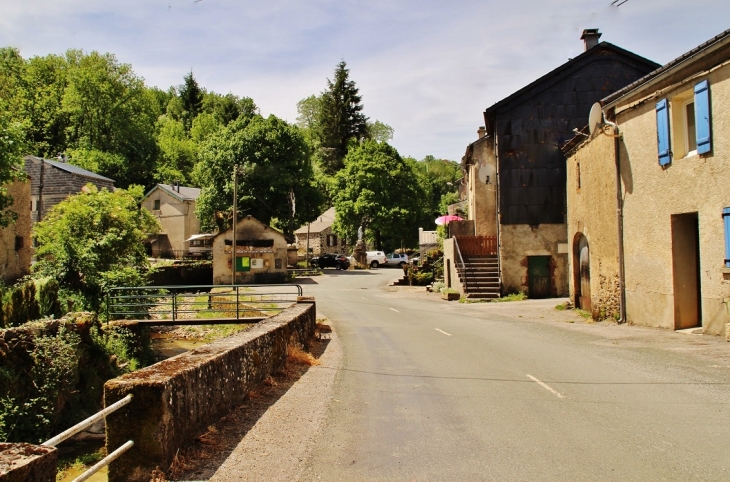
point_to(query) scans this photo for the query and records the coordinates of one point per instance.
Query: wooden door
(584, 274)
(538, 273)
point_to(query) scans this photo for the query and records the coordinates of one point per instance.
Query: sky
(428, 69)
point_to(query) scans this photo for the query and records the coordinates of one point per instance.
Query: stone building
(515, 173)
(53, 181)
(15, 240)
(322, 239)
(668, 171)
(174, 208)
(261, 254)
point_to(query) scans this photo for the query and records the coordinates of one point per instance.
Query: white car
(395, 259)
(376, 258)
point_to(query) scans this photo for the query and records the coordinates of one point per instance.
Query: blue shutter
(702, 117)
(662, 132)
(726, 220)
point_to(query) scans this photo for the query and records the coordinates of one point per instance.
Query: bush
(48, 299)
(20, 305)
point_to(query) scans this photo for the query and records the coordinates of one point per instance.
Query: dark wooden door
(584, 271)
(538, 273)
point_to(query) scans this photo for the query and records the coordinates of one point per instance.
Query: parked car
(337, 261)
(376, 258)
(395, 259)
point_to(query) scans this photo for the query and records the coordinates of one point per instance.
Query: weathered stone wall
(591, 189)
(175, 400)
(22, 462)
(14, 259)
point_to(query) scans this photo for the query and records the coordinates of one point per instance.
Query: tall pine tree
(340, 119)
(191, 96)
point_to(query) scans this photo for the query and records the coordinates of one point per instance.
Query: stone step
(488, 296)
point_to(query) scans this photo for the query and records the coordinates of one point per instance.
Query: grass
(521, 296)
(583, 313)
(295, 354)
(560, 307)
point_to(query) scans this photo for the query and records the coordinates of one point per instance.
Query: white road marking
(442, 331)
(395, 310)
(363, 297)
(546, 386)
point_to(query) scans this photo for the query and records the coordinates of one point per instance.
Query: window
(726, 221)
(683, 129)
(331, 240)
(577, 176)
(157, 205)
(18, 243)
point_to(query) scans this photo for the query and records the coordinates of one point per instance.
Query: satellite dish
(487, 173)
(595, 118)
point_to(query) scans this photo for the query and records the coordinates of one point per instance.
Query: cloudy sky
(428, 68)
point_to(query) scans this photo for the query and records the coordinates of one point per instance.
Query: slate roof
(65, 166)
(185, 194)
(558, 73)
(324, 221)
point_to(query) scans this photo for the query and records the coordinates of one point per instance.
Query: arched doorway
(582, 272)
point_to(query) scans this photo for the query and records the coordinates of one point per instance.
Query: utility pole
(235, 216)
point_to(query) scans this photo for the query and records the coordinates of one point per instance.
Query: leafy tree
(273, 159)
(227, 108)
(178, 153)
(191, 96)
(440, 178)
(340, 118)
(11, 145)
(93, 241)
(379, 132)
(378, 190)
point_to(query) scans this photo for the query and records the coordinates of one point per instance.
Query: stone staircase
(479, 276)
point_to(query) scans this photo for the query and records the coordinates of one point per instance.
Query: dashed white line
(442, 331)
(395, 310)
(546, 386)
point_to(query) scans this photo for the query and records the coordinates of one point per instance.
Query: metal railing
(461, 262)
(197, 305)
(66, 434)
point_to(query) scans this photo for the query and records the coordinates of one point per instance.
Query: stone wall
(22, 462)
(175, 400)
(15, 254)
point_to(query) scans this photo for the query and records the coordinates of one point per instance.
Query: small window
(690, 133)
(726, 222)
(577, 175)
(157, 205)
(18, 243)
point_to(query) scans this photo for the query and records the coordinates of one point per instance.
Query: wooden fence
(477, 245)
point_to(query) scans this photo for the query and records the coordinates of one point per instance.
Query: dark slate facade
(60, 180)
(531, 126)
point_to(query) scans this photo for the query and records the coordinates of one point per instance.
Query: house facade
(667, 169)
(174, 208)
(52, 181)
(515, 173)
(15, 240)
(322, 238)
(261, 254)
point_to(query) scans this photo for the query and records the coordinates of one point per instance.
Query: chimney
(482, 131)
(590, 37)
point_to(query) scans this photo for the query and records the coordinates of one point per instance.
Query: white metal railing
(461, 261)
(66, 434)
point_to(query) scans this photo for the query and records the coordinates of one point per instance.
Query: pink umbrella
(447, 219)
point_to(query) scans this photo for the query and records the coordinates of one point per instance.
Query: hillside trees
(380, 191)
(93, 241)
(273, 159)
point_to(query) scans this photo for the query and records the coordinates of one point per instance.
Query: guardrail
(461, 262)
(202, 304)
(66, 434)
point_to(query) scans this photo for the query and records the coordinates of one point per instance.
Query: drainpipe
(619, 219)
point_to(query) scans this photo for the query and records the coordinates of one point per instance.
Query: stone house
(322, 239)
(174, 208)
(15, 240)
(660, 158)
(53, 181)
(514, 175)
(261, 254)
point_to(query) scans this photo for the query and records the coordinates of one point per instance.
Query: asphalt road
(429, 390)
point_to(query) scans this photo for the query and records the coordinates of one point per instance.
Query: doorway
(538, 274)
(686, 271)
(582, 273)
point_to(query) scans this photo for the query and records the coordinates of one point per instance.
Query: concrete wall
(481, 197)
(451, 277)
(249, 228)
(15, 262)
(177, 218)
(22, 462)
(591, 189)
(695, 184)
(175, 400)
(518, 241)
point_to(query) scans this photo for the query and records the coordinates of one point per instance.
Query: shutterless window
(690, 132)
(157, 205)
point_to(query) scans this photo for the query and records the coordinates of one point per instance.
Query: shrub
(20, 305)
(48, 299)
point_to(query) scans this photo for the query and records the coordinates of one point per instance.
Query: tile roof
(184, 193)
(65, 166)
(324, 221)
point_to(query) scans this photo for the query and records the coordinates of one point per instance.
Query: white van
(376, 258)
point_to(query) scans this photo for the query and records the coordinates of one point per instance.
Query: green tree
(340, 119)
(379, 131)
(178, 152)
(440, 178)
(273, 159)
(11, 146)
(191, 96)
(227, 108)
(378, 190)
(93, 241)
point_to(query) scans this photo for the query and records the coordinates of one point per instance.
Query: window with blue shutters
(662, 132)
(726, 221)
(702, 117)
